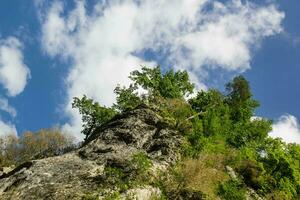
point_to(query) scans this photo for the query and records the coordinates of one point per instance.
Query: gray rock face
(76, 174)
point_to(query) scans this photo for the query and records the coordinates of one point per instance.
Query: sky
(52, 51)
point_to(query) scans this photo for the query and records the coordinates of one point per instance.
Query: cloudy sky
(51, 51)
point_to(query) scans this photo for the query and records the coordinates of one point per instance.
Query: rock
(80, 173)
(6, 170)
(231, 173)
(142, 193)
(252, 195)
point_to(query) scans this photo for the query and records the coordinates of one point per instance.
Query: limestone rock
(142, 193)
(231, 173)
(252, 195)
(5, 170)
(81, 172)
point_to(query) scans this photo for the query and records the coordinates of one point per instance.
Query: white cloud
(13, 72)
(7, 129)
(227, 35)
(103, 45)
(4, 105)
(287, 128)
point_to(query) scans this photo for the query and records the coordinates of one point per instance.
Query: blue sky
(51, 51)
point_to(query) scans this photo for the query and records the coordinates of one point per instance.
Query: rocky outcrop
(82, 173)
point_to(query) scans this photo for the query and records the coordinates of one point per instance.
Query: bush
(251, 173)
(232, 190)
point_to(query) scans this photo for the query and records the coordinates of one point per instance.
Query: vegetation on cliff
(219, 130)
(158, 142)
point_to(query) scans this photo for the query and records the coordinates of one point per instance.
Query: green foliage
(240, 99)
(140, 166)
(269, 166)
(194, 144)
(141, 162)
(250, 131)
(169, 85)
(116, 179)
(177, 112)
(282, 164)
(93, 114)
(252, 173)
(212, 120)
(127, 98)
(206, 100)
(231, 190)
(120, 179)
(211, 123)
(213, 112)
(113, 174)
(159, 87)
(172, 182)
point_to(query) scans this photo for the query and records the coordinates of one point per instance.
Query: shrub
(251, 173)
(232, 190)
(204, 174)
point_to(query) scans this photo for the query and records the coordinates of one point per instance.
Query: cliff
(136, 145)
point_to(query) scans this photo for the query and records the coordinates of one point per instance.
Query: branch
(193, 116)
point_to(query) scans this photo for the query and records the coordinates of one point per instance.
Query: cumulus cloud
(13, 72)
(287, 128)
(227, 35)
(7, 129)
(4, 105)
(104, 44)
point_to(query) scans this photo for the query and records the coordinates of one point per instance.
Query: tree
(169, 85)
(250, 131)
(9, 150)
(240, 99)
(33, 145)
(214, 123)
(213, 112)
(127, 98)
(93, 114)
